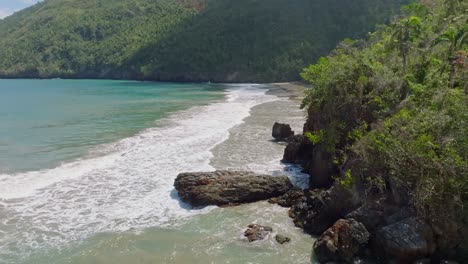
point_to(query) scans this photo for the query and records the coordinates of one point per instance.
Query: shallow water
(120, 207)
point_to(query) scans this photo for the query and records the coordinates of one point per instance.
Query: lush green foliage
(394, 109)
(188, 40)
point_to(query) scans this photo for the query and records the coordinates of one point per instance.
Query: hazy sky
(8, 7)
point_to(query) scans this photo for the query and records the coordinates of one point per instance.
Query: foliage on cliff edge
(393, 110)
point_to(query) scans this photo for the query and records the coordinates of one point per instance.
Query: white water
(129, 188)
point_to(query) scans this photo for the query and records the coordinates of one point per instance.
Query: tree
(404, 32)
(457, 38)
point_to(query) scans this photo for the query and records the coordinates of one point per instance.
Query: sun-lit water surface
(119, 206)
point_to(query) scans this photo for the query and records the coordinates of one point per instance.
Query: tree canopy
(180, 40)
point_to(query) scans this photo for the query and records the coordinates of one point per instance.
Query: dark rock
(320, 168)
(229, 187)
(342, 241)
(297, 149)
(282, 239)
(448, 235)
(292, 197)
(282, 131)
(400, 214)
(319, 209)
(257, 232)
(369, 215)
(406, 241)
(315, 161)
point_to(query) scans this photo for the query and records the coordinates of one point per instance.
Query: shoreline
(262, 108)
(292, 90)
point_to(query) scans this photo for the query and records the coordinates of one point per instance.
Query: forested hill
(181, 40)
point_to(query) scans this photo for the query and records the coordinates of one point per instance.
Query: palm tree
(456, 38)
(404, 32)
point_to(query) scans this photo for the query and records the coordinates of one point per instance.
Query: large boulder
(342, 241)
(282, 131)
(405, 241)
(229, 187)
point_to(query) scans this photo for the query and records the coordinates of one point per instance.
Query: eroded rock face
(315, 161)
(282, 131)
(229, 187)
(297, 149)
(257, 232)
(342, 241)
(369, 215)
(319, 209)
(406, 241)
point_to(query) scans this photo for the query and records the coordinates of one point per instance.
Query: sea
(87, 169)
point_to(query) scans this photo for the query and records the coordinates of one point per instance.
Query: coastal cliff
(385, 142)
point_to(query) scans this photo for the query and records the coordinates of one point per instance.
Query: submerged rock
(282, 131)
(342, 241)
(257, 232)
(282, 239)
(406, 241)
(229, 187)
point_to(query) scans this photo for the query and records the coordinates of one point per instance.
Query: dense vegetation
(392, 112)
(184, 40)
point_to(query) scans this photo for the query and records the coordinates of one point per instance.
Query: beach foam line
(131, 187)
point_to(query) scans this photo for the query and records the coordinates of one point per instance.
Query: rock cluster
(229, 187)
(319, 209)
(349, 222)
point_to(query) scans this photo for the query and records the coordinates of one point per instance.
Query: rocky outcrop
(289, 199)
(342, 241)
(405, 241)
(319, 209)
(316, 162)
(229, 187)
(297, 149)
(282, 239)
(282, 131)
(257, 232)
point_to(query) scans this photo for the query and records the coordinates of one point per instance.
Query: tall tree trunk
(453, 71)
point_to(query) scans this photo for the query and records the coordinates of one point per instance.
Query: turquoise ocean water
(47, 122)
(87, 170)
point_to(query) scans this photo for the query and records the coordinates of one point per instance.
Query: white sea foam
(131, 187)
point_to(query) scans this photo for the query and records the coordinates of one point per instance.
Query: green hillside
(182, 40)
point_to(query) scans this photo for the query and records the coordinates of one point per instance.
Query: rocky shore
(351, 223)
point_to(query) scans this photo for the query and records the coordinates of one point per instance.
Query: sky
(8, 7)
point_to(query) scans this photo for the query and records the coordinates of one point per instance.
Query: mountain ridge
(180, 40)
